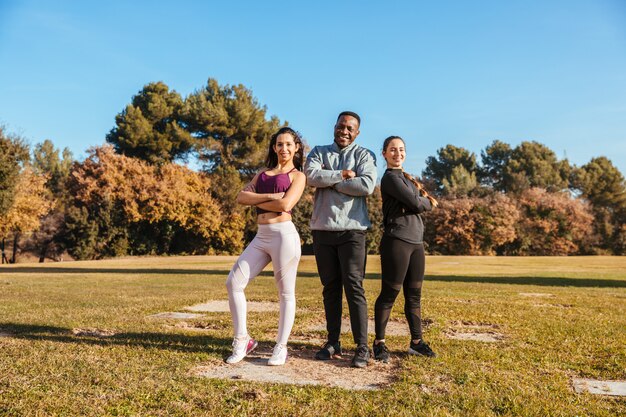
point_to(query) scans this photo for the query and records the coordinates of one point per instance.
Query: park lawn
(560, 318)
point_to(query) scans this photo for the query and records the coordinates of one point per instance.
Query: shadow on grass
(128, 271)
(509, 280)
(165, 341)
(540, 281)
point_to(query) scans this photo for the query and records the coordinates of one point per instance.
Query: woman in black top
(401, 249)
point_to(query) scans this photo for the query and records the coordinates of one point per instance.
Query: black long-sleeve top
(402, 205)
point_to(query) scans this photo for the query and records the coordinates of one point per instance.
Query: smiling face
(285, 147)
(394, 153)
(346, 130)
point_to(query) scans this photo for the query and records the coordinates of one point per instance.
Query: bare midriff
(271, 217)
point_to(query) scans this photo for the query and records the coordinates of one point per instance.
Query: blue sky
(436, 73)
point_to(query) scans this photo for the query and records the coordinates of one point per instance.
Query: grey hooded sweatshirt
(340, 204)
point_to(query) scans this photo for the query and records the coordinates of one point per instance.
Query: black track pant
(402, 268)
(340, 258)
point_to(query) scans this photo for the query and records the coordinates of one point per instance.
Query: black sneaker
(421, 348)
(329, 351)
(361, 356)
(381, 353)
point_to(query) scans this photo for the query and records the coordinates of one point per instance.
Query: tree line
(524, 201)
(134, 195)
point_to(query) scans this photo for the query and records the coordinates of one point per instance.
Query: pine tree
(150, 129)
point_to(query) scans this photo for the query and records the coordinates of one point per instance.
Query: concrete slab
(599, 387)
(302, 369)
(175, 315)
(475, 336)
(536, 294)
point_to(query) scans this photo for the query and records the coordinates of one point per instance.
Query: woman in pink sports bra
(274, 191)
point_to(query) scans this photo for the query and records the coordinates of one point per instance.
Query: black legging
(402, 267)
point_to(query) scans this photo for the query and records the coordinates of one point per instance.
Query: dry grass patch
(395, 327)
(464, 324)
(556, 305)
(102, 333)
(474, 331)
(175, 315)
(201, 325)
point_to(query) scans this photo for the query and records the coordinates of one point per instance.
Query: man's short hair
(349, 113)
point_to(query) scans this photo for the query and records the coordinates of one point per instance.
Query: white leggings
(280, 244)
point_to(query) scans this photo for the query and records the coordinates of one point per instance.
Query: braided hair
(409, 177)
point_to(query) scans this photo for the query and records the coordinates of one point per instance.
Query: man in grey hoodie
(344, 174)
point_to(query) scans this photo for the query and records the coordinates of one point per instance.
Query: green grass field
(560, 318)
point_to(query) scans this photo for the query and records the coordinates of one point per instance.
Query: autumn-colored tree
(498, 216)
(552, 224)
(226, 182)
(134, 204)
(14, 153)
(188, 202)
(450, 230)
(534, 222)
(471, 226)
(30, 203)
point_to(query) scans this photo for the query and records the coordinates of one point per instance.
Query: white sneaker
(241, 347)
(279, 357)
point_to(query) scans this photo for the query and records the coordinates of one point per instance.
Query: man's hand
(347, 174)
